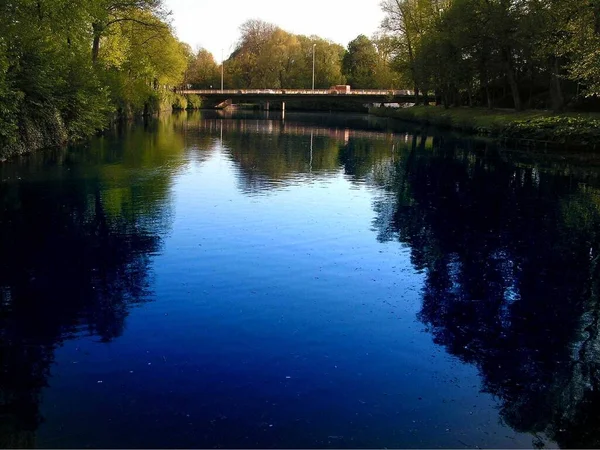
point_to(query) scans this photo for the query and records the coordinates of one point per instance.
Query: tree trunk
(413, 71)
(446, 98)
(490, 99)
(456, 101)
(556, 94)
(96, 42)
(426, 97)
(512, 81)
(484, 80)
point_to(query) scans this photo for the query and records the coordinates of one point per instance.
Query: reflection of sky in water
(307, 288)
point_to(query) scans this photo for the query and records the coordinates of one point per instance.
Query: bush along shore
(46, 128)
(564, 130)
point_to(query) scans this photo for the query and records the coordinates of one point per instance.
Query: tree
(360, 63)
(407, 21)
(385, 75)
(268, 57)
(328, 63)
(203, 72)
(107, 13)
(250, 67)
(506, 52)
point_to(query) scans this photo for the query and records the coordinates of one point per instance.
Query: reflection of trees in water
(268, 159)
(511, 259)
(75, 239)
(272, 153)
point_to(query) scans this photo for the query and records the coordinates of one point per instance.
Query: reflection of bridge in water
(277, 127)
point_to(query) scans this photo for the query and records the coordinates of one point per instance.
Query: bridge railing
(356, 92)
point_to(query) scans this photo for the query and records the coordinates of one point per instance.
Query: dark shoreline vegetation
(563, 131)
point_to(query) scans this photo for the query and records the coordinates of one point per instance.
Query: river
(319, 281)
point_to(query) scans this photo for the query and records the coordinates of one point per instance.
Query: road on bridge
(363, 95)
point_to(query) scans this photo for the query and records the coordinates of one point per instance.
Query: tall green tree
(203, 72)
(106, 14)
(361, 62)
(268, 57)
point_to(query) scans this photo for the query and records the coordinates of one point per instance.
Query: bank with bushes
(565, 129)
(67, 73)
(45, 127)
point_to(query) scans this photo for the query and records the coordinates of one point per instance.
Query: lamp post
(313, 78)
(222, 67)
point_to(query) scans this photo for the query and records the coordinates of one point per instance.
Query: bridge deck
(356, 92)
(365, 95)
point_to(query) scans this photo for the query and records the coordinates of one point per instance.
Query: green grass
(566, 128)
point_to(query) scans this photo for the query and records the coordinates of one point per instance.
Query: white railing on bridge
(371, 92)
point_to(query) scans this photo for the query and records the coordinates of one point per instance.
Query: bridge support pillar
(282, 106)
(267, 106)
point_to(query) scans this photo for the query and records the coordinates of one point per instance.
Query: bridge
(284, 95)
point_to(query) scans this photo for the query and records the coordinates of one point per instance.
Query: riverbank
(573, 129)
(45, 127)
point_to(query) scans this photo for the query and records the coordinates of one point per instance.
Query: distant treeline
(505, 53)
(268, 57)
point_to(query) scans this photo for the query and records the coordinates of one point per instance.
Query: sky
(214, 24)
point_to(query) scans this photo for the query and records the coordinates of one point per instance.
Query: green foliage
(563, 129)
(67, 66)
(202, 71)
(519, 53)
(269, 57)
(179, 102)
(567, 128)
(193, 102)
(360, 63)
(10, 100)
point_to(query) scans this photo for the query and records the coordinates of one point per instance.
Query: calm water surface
(211, 281)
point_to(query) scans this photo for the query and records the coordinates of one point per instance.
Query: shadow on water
(510, 250)
(78, 229)
(511, 256)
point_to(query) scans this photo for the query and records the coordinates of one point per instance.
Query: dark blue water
(322, 281)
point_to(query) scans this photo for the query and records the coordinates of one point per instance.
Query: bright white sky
(214, 24)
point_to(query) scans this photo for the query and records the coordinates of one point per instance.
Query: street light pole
(222, 70)
(313, 81)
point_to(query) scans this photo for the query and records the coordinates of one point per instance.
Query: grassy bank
(577, 129)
